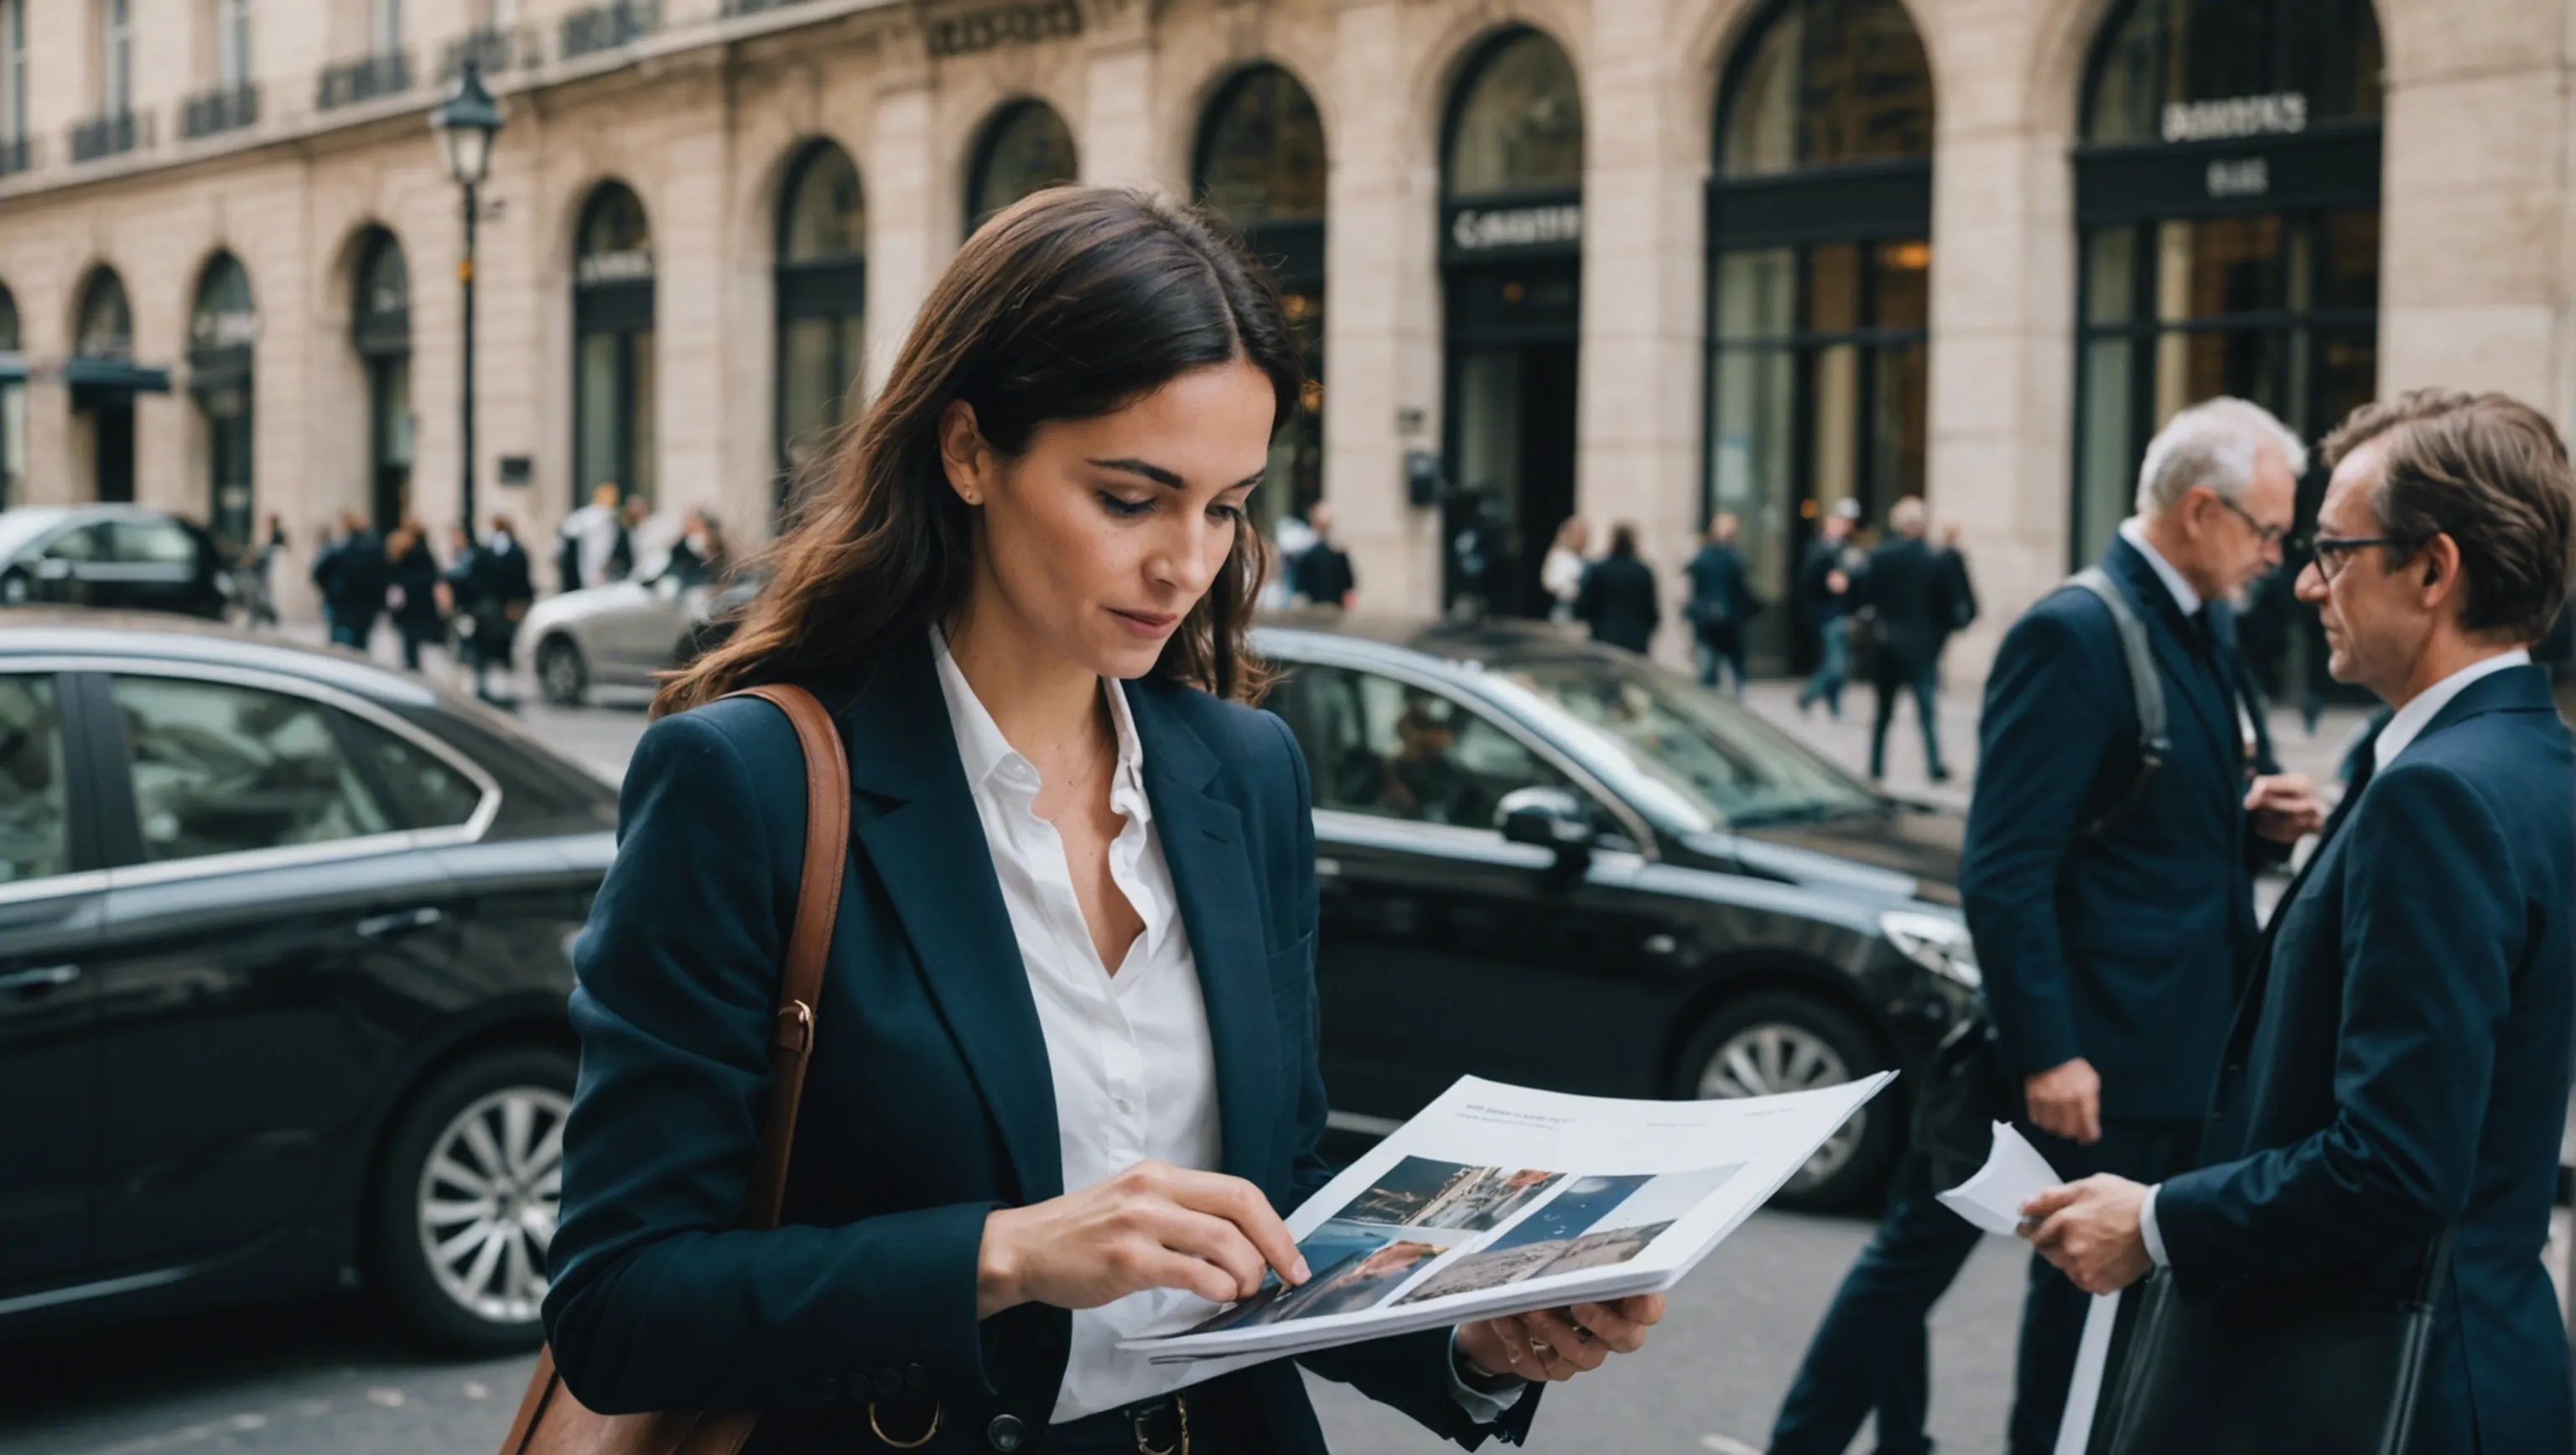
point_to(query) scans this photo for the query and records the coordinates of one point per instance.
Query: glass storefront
(380, 329)
(1512, 260)
(1819, 287)
(222, 327)
(2227, 199)
(1260, 165)
(822, 309)
(613, 385)
(1026, 146)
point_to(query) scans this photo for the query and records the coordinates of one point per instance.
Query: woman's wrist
(997, 1268)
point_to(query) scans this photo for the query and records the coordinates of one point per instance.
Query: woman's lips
(1146, 623)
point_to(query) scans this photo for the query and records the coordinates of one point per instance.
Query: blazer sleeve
(2433, 924)
(659, 1300)
(1409, 1373)
(2043, 734)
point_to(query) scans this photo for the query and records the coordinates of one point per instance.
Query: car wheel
(1779, 1041)
(15, 589)
(561, 674)
(466, 1200)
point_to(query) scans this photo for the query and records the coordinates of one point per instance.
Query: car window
(430, 793)
(219, 769)
(153, 543)
(35, 794)
(1399, 751)
(89, 543)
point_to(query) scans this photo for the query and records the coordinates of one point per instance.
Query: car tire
(465, 1202)
(561, 674)
(16, 589)
(1781, 1040)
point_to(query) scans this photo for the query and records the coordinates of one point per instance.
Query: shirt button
(1004, 1433)
(1127, 1106)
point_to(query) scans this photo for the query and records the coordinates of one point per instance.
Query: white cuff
(1481, 1407)
(2147, 1228)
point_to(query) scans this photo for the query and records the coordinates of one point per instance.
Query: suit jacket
(2401, 1065)
(1618, 598)
(927, 1103)
(2121, 947)
(1908, 584)
(1721, 590)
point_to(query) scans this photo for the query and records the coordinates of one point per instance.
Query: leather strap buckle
(917, 1441)
(1151, 1426)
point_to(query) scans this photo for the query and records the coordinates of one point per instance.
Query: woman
(1024, 595)
(413, 594)
(1561, 574)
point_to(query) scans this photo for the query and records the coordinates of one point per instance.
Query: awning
(115, 375)
(13, 367)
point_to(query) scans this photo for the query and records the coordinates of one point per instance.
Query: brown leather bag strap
(818, 905)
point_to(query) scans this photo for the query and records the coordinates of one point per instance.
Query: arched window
(106, 327)
(822, 303)
(1511, 252)
(2227, 201)
(613, 346)
(1819, 227)
(13, 403)
(1260, 165)
(1026, 146)
(380, 331)
(102, 386)
(221, 328)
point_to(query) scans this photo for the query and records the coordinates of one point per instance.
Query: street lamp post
(466, 123)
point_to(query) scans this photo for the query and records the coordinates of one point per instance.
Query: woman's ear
(962, 454)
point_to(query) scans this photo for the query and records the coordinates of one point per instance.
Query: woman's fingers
(1244, 1205)
(1211, 1240)
(1160, 1267)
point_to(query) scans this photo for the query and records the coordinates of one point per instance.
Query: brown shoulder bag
(551, 1421)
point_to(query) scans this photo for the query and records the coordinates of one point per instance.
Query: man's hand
(2284, 807)
(1544, 1345)
(2089, 1229)
(2066, 1101)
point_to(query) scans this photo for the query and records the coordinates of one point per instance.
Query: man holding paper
(2398, 1071)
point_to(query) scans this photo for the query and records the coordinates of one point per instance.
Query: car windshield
(1701, 759)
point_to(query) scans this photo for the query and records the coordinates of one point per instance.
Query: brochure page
(1499, 1199)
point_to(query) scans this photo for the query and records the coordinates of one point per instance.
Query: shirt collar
(2409, 721)
(2135, 533)
(987, 755)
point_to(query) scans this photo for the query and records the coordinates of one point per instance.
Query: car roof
(23, 524)
(38, 631)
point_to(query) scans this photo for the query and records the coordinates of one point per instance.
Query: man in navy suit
(2400, 1064)
(2111, 924)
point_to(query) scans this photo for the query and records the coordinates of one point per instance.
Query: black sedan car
(284, 946)
(116, 556)
(1551, 863)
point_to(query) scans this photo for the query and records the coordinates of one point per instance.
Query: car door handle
(400, 922)
(41, 979)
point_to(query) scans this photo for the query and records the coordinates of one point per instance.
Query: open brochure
(1498, 1200)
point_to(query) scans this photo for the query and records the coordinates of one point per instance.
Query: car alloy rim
(563, 671)
(488, 1199)
(13, 589)
(1776, 1057)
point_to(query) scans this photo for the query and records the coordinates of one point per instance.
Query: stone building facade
(1633, 259)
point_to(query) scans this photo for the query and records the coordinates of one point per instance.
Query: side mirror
(1548, 818)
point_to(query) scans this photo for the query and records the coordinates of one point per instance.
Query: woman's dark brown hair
(1070, 304)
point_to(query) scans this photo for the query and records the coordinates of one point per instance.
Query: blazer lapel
(927, 847)
(2169, 635)
(1211, 866)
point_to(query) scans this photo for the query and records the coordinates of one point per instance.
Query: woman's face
(1095, 543)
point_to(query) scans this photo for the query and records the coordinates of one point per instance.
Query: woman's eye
(1230, 514)
(1124, 509)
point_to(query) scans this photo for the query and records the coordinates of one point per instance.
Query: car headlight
(1939, 945)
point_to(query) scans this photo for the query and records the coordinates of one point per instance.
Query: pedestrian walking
(1959, 587)
(587, 539)
(412, 591)
(625, 545)
(352, 576)
(1906, 589)
(2111, 907)
(1824, 590)
(699, 556)
(1323, 575)
(258, 574)
(1619, 599)
(1560, 571)
(488, 588)
(1001, 1161)
(1721, 602)
(2389, 1115)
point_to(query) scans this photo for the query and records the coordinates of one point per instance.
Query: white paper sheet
(2014, 1173)
(2092, 1360)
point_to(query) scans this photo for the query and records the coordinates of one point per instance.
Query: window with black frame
(1025, 146)
(105, 337)
(1819, 226)
(822, 285)
(1260, 165)
(613, 357)
(2227, 203)
(380, 331)
(222, 327)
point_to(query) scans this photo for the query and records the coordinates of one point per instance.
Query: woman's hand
(1151, 1226)
(1543, 1346)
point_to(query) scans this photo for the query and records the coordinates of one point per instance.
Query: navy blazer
(927, 1103)
(2122, 947)
(2401, 1065)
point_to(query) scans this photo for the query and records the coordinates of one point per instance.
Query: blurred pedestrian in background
(1907, 590)
(2395, 1088)
(2113, 906)
(1323, 572)
(258, 573)
(1721, 602)
(1619, 599)
(489, 588)
(412, 591)
(1560, 572)
(586, 540)
(1959, 588)
(1824, 589)
(351, 574)
(699, 556)
(625, 547)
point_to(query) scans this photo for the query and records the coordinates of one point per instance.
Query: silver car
(623, 633)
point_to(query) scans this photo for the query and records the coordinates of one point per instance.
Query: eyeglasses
(2331, 552)
(2269, 535)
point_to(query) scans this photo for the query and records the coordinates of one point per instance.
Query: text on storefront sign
(1474, 231)
(2281, 114)
(984, 30)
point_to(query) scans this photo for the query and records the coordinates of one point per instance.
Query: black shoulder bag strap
(2146, 692)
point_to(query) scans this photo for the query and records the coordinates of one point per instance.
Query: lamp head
(466, 123)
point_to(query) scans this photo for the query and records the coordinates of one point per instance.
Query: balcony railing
(607, 26)
(492, 49)
(17, 154)
(353, 82)
(755, 7)
(107, 136)
(218, 111)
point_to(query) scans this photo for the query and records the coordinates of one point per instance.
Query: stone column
(909, 232)
(1117, 126)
